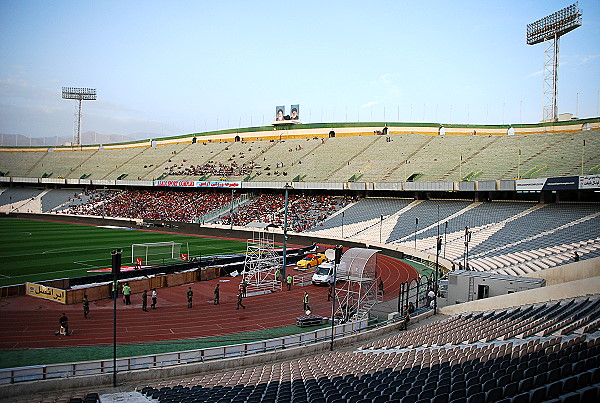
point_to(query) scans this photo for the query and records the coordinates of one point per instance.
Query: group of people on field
(126, 293)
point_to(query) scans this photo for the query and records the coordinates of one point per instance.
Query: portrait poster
(295, 112)
(279, 113)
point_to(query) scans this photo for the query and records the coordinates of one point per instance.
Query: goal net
(143, 254)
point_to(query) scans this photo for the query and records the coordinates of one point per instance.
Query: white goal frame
(175, 251)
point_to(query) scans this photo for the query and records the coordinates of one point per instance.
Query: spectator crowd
(177, 206)
(304, 212)
(232, 168)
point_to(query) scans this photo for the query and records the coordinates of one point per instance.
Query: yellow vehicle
(312, 260)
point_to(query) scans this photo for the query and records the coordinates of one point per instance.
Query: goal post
(156, 253)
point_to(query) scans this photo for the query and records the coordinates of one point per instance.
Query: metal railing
(98, 367)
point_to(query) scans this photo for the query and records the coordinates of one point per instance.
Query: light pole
(231, 211)
(467, 240)
(582, 155)
(437, 273)
(116, 269)
(336, 261)
(445, 238)
(287, 187)
(416, 223)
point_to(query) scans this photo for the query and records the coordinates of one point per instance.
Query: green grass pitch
(33, 250)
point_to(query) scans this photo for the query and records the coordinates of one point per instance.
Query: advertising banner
(41, 291)
(589, 182)
(561, 183)
(529, 184)
(198, 184)
(566, 182)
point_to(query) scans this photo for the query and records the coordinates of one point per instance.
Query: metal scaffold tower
(262, 262)
(356, 284)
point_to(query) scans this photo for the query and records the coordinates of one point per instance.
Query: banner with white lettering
(561, 183)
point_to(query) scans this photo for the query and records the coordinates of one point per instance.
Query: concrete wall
(573, 289)
(569, 272)
(458, 285)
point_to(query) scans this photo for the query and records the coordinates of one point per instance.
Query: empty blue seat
(590, 393)
(525, 384)
(537, 395)
(554, 389)
(521, 398)
(476, 398)
(511, 389)
(572, 397)
(494, 394)
(458, 393)
(540, 379)
(440, 398)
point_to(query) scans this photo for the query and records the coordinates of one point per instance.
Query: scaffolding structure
(356, 284)
(262, 262)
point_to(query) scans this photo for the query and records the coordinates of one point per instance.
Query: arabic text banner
(198, 184)
(41, 291)
(589, 182)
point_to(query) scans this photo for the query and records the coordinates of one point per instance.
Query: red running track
(30, 322)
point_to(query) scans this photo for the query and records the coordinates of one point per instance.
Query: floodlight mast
(549, 30)
(80, 94)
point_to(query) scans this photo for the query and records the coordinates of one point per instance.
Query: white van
(324, 273)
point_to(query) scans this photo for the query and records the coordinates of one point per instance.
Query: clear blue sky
(174, 67)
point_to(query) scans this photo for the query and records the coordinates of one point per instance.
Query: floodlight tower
(549, 30)
(80, 94)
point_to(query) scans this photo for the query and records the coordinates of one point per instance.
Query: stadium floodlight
(79, 94)
(549, 30)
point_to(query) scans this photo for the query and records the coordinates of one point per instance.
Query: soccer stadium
(366, 261)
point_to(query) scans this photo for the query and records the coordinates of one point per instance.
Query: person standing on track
(86, 306)
(127, 293)
(145, 301)
(216, 300)
(278, 275)
(244, 287)
(190, 294)
(289, 280)
(154, 297)
(305, 300)
(239, 300)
